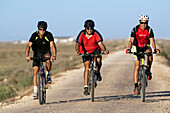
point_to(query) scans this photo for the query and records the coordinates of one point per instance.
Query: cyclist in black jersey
(40, 42)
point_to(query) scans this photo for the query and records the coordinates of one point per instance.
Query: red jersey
(142, 36)
(89, 44)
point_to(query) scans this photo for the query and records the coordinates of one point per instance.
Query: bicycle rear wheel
(92, 86)
(143, 85)
(40, 89)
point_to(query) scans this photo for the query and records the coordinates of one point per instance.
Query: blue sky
(113, 18)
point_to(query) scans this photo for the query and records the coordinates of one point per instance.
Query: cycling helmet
(42, 24)
(143, 17)
(89, 23)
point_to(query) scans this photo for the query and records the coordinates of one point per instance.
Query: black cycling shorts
(87, 58)
(141, 49)
(36, 62)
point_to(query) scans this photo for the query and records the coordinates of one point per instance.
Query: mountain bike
(143, 70)
(92, 78)
(42, 82)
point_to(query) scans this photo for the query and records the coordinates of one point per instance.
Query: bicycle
(42, 82)
(143, 69)
(92, 78)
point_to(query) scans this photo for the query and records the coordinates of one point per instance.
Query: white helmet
(143, 17)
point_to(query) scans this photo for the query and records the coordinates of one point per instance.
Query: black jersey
(41, 45)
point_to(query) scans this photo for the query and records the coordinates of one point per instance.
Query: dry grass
(164, 46)
(16, 73)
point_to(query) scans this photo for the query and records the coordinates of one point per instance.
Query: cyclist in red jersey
(90, 40)
(141, 38)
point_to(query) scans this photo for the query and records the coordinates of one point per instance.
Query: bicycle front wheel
(40, 89)
(44, 89)
(92, 85)
(143, 85)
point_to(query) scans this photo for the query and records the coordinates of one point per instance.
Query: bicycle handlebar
(142, 53)
(40, 58)
(91, 54)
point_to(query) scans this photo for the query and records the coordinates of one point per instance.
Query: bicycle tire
(40, 89)
(44, 90)
(143, 85)
(44, 96)
(92, 86)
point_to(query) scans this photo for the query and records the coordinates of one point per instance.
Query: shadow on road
(157, 94)
(119, 97)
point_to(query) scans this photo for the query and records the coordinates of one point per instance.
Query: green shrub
(6, 93)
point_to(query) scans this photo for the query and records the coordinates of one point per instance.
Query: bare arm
(131, 42)
(152, 40)
(28, 50)
(102, 46)
(77, 47)
(54, 50)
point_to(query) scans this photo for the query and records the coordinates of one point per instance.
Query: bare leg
(150, 59)
(98, 63)
(86, 72)
(136, 76)
(36, 70)
(136, 71)
(48, 63)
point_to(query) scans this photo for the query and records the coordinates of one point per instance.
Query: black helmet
(89, 23)
(42, 24)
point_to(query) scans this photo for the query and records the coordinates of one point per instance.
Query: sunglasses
(42, 29)
(89, 28)
(143, 22)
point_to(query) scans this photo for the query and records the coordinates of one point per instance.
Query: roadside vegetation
(16, 73)
(164, 45)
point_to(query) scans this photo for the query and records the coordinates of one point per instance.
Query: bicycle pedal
(49, 82)
(35, 97)
(43, 89)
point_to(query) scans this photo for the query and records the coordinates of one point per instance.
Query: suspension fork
(94, 63)
(92, 66)
(42, 71)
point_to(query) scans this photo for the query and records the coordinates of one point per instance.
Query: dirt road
(113, 94)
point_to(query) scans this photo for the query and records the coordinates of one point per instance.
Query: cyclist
(141, 37)
(90, 40)
(40, 42)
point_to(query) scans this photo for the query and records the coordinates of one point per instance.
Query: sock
(35, 89)
(85, 86)
(47, 73)
(136, 84)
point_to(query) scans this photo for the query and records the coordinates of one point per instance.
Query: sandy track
(113, 94)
